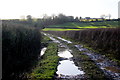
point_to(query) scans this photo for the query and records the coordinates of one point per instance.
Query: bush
(20, 49)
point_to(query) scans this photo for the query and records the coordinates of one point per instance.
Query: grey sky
(84, 8)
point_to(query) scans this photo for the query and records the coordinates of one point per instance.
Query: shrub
(20, 49)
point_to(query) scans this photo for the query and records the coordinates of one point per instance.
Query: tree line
(54, 19)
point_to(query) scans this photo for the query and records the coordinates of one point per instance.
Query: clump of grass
(47, 66)
(20, 49)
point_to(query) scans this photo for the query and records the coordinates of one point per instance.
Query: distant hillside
(78, 25)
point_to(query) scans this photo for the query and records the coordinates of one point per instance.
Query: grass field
(94, 24)
(81, 25)
(58, 29)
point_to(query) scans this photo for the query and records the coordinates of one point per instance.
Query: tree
(80, 17)
(62, 18)
(29, 18)
(109, 15)
(53, 16)
(45, 16)
(76, 19)
(103, 16)
(96, 20)
(70, 18)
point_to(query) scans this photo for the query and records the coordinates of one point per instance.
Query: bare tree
(53, 16)
(103, 16)
(45, 16)
(109, 15)
(29, 18)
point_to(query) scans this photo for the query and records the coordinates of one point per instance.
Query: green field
(81, 25)
(58, 29)
(86, 24)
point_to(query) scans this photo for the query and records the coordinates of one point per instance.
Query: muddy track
(95, 66)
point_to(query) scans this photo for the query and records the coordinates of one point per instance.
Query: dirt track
(94, 65)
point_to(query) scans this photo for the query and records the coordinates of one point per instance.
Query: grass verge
(47, 66)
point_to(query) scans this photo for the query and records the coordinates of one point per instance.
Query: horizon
(79, 8)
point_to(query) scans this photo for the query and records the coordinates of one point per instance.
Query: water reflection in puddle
(43, 51)
(65, 54)
(67, 66)
(53, 39)
(64, 40)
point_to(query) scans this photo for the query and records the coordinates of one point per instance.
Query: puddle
(53, 39)
(65, 54)
(64, 40)
(66, 67)
(43, 51)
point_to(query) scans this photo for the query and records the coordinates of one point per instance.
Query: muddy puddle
(51, 37)
(66, 67)
(64, 40)
(65, 53)
(43, 51)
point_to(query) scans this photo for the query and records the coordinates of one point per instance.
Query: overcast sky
(10, 9)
